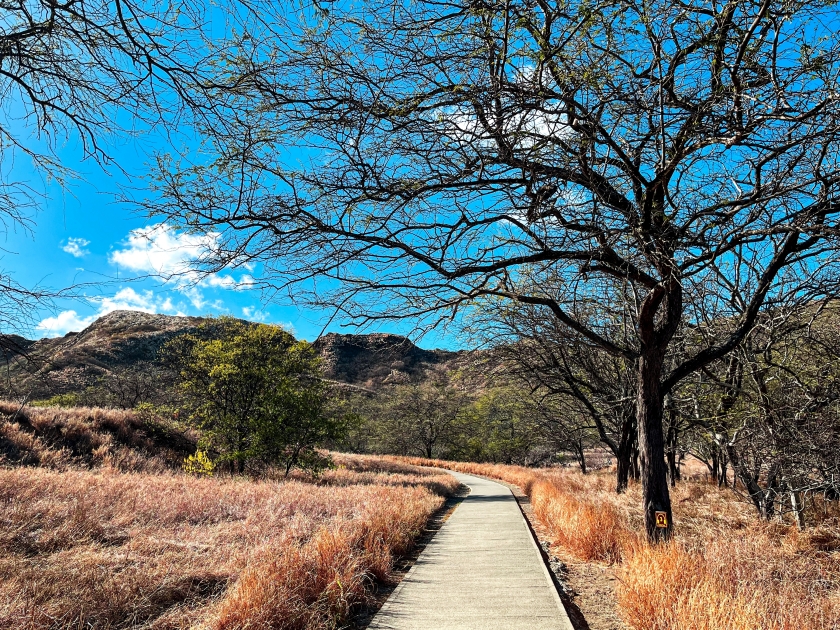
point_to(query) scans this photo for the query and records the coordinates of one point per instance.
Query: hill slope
(378, 358)
(118, 340)
(130, 340)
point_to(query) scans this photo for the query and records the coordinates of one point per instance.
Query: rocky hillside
(125, 340)
(378, 358)
(119, 340)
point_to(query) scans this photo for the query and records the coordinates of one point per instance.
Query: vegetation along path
(481, 571)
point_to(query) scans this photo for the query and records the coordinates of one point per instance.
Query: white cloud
(254, 314)
(288, 327)
(63, 323)
(159, 249)
(162, 250)
(76, 247)
(124, 299)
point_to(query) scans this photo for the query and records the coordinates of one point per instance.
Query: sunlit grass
(107, 549)
(725, 570)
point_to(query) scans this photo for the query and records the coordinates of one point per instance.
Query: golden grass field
(98, 529)
(725, 569)
(104, 548)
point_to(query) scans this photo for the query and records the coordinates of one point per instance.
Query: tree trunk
(723, 482)
(624, 454)
(672, 457)
(635, 471)
(673, 469)
(763, 499)
(581, 456)
(713, 467)
(655, 494)
(671, 444)
(797, 508)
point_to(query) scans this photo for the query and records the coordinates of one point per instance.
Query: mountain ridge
(125, 339)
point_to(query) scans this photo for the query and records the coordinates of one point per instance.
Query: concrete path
(481, 571)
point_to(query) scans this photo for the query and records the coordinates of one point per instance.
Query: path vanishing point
(481, 571)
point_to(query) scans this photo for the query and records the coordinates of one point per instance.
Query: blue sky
(82, 233)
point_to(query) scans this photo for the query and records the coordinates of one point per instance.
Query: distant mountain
(131, 340)
(378, 358)
(121, 339)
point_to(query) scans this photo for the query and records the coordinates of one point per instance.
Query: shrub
(199, 464)
(256, 394)
(59, 400)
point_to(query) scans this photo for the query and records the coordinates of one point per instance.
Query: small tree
(422, 419)
(501, 427)
(255, 392)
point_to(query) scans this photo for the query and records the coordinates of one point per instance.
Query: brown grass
(83, 437)
(724, 571)
(104, 549)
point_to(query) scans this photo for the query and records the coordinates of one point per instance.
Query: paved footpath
(481, 571)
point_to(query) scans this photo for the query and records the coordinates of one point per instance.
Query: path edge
(552, 584)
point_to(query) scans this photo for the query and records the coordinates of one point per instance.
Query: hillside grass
(89, 542)
(63, 438)
(725, 570)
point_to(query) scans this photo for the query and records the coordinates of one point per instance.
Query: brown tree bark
(655, 493)
(624, 455)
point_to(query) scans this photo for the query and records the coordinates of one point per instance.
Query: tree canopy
(256, 394)
(415, 157)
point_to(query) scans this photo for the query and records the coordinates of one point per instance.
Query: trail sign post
(662, 519)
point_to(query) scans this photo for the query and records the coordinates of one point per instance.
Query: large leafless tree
(404, 159)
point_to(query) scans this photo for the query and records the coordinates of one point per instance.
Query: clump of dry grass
(745, 580)
(313, 585)
(724, 571)
(106, 549)
(591, 529)
(62, 438)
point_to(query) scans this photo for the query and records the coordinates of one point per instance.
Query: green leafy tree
(255, 393)
(499, 427)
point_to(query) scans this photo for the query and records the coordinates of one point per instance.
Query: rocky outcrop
(377, 358)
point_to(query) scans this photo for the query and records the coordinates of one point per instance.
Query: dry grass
(724, 571)
(592, 529)
(81, 437)
(104, 549)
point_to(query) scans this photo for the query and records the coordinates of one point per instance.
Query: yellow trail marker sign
(662, 519)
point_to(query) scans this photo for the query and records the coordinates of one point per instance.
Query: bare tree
(421, 419)
(596, 391)
(771, 408)
(92, 72)
(414, 158)
(69, 70)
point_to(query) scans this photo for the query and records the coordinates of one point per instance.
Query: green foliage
(501, 427)
(59, 400)
(441, 420)
(255, 393)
